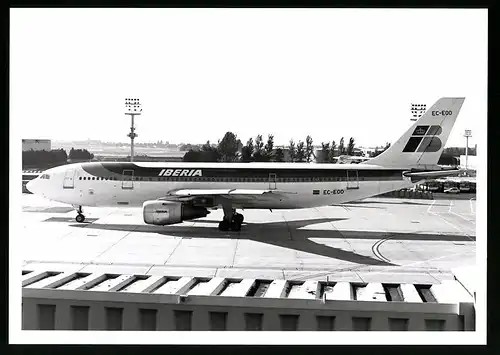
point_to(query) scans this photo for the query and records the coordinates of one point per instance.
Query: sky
(198, 73)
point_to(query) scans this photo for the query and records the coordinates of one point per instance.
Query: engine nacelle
(161, 213)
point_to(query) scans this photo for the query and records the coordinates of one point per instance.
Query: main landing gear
(231, 221)
(80, 218)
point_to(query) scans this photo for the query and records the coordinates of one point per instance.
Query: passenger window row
(96, 178)
(221, 179)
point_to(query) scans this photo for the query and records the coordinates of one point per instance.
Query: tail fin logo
(420, 130)
(424, 139)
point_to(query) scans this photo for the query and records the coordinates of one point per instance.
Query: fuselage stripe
(283, 175)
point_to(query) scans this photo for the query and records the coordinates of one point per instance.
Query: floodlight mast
(133, 107)
(467, 134)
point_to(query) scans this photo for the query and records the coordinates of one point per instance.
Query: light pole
(133, 108)
(467, 134)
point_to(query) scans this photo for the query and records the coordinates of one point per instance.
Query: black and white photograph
(238, 174)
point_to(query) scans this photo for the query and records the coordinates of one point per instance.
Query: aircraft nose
(31, 186)
(28, 187)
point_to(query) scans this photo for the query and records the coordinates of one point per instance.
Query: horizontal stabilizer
(417, 176)
(433, 174)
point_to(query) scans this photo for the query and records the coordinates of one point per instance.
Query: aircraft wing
(235, 194)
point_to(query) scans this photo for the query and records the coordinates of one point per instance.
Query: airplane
(170, 193)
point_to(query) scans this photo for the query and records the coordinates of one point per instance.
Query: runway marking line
(336, 229)
(113, 245)
(465, 219)
(415, 263)
(430, 206)
(434, 259)
(173, 251)
(376, 249)
(471, 209)
(454, 226)
(234, 254)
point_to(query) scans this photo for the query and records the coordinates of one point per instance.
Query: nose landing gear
(80, 218)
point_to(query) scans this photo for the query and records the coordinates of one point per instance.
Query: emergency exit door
(128, 180)
(272, 181)
(352, 179)
(69, 179)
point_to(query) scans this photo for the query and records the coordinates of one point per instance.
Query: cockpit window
(45, 176)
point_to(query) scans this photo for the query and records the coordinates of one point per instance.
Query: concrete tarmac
(374, 240)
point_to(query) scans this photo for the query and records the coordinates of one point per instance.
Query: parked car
(452, 190)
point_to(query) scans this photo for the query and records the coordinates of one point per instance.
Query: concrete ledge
(466, 277)
(55, 300)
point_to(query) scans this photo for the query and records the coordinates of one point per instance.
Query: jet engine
(161, 213)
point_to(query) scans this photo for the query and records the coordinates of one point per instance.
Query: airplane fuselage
(299, 185)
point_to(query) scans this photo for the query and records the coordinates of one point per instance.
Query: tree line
(80, 154)
(228, 150)
(46, 159)
(379, 151)
(457, 151)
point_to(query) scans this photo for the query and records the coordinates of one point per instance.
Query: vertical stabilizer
(424, 142)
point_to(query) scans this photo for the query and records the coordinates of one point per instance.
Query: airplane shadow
(423, 203)
(285, 234)
(69, 220)
(355, 206)
(47, 209)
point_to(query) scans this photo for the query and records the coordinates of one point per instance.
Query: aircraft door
(352, 179)
(128, 180)
(69, 179)
(272, 181)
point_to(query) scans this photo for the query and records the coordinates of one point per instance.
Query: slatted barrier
(29, 175)
(101, 301)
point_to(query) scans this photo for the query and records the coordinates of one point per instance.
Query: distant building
(358, 152)
(158, 158)
(346, 159)
(36, 144)
(165, 156)
(448, 160)
(366, 151)
(471, 162)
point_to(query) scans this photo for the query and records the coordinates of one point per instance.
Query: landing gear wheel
(235, 226)
(238, 218)
(224, 225)
(80, 218)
